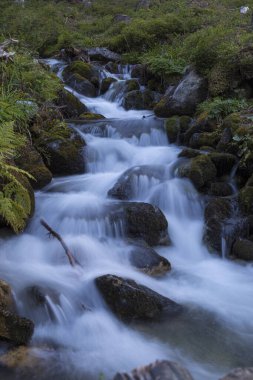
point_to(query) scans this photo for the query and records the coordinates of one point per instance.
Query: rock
(246, 199)
(160, 370)
(71, 106)
(103, 54)
(245, 168)
(172, 127)
(191, 91)
(224, 162)
(143, 221)
(217, 212)
(125, 185)
(30, 160)
(66, 156)
(239, 374)
(243, 249)
(225, 139)
(140, 99)
(6, 297)
(14, 328)
(132, 85)
(143, 4)
(91, 116)
(220, 189)
(81, 85)
(105, 85)
(148, 260)
(200, 139)
(189, 153)
(129, 300)
(112, 67)
(200, 170)
(122, 18)
(139, 72)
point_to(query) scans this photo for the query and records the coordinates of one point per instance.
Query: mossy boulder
(81, 85)
(140, 100)
(71, 106)
(85, 70)
(217, 212)
(224, 162)
(91, 116)
(245, 168)
(232, 121)
(246, 199)
(15, 329)
(243, 249)
(105, 85)
(132, 85)
(220, 189)
(201, 139)
(130, 301)
(189, 153)
(172, 127)
(66, 156)
(30, 160)
(200, 170)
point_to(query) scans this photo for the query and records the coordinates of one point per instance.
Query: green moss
(132, 85)
(185, 123)
(106, 83)
(81, 69)
(91, 116)
(232, 121)
(172, 127)
(220, 79)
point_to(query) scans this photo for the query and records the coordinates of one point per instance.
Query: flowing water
(83, 339)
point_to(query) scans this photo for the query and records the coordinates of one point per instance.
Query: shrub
(217, 109)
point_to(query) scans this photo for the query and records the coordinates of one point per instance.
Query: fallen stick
(70, 256)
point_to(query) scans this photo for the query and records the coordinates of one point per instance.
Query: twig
(70, 256)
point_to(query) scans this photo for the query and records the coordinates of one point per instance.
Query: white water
(214, 337)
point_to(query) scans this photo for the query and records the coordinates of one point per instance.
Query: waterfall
(217, 332)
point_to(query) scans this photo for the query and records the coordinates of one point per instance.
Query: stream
(83, 339)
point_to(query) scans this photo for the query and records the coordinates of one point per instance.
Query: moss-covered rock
(224, 162)
(91, 116)
(220, 79)
(132, 85)
(189, 153)
(220, 189)
(246, 199)
(201, 139)
(66, 156)
(81, 85)
(172, 127)
(71, 106)
(105, 85)
(14, 328)
(31, 161)
(85, 70)
(140, 100)
(232, 121)
(200, 170)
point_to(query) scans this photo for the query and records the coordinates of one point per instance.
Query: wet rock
(124, 187)
(200, 170)
(148, 260)
(82, 77)
(6, 297)
(81, 85)
(122, 18)
(246, 199)
(225, 139)
(139, 71)
(200, 139)
(189, 153)
(172, 127)
(71, 106)
(66, 156)
(14, 328)
(217, 212)
(91, 116)
(105, 85)
(245, 168)
(103, 54)
(224, 162)
(129, 300)
(140, 100)
(160, 370)
(191, 91)
(132, 85)
(239, 374)
(144, 221)
(30, 160)
(220, 189)
(243, 249)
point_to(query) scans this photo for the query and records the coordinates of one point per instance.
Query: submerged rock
(191, 91)
(160, 370)
(129, 300)
(239, 374)
(148, 260)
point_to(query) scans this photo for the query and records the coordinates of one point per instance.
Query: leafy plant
(217, 109)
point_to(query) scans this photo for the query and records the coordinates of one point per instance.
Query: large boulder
(160, 370)
(125, 185)
(106, 83)
(200, 170)
(103, 54)
(71, 106)
(243, 249)
(30, 160)
(147, 260)
(218, 214)
(141, 99)
(224, 162)
(239, 374)
(142, 221)
(184, 99)
(129, 300)
(81, 85)
(66, 156)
